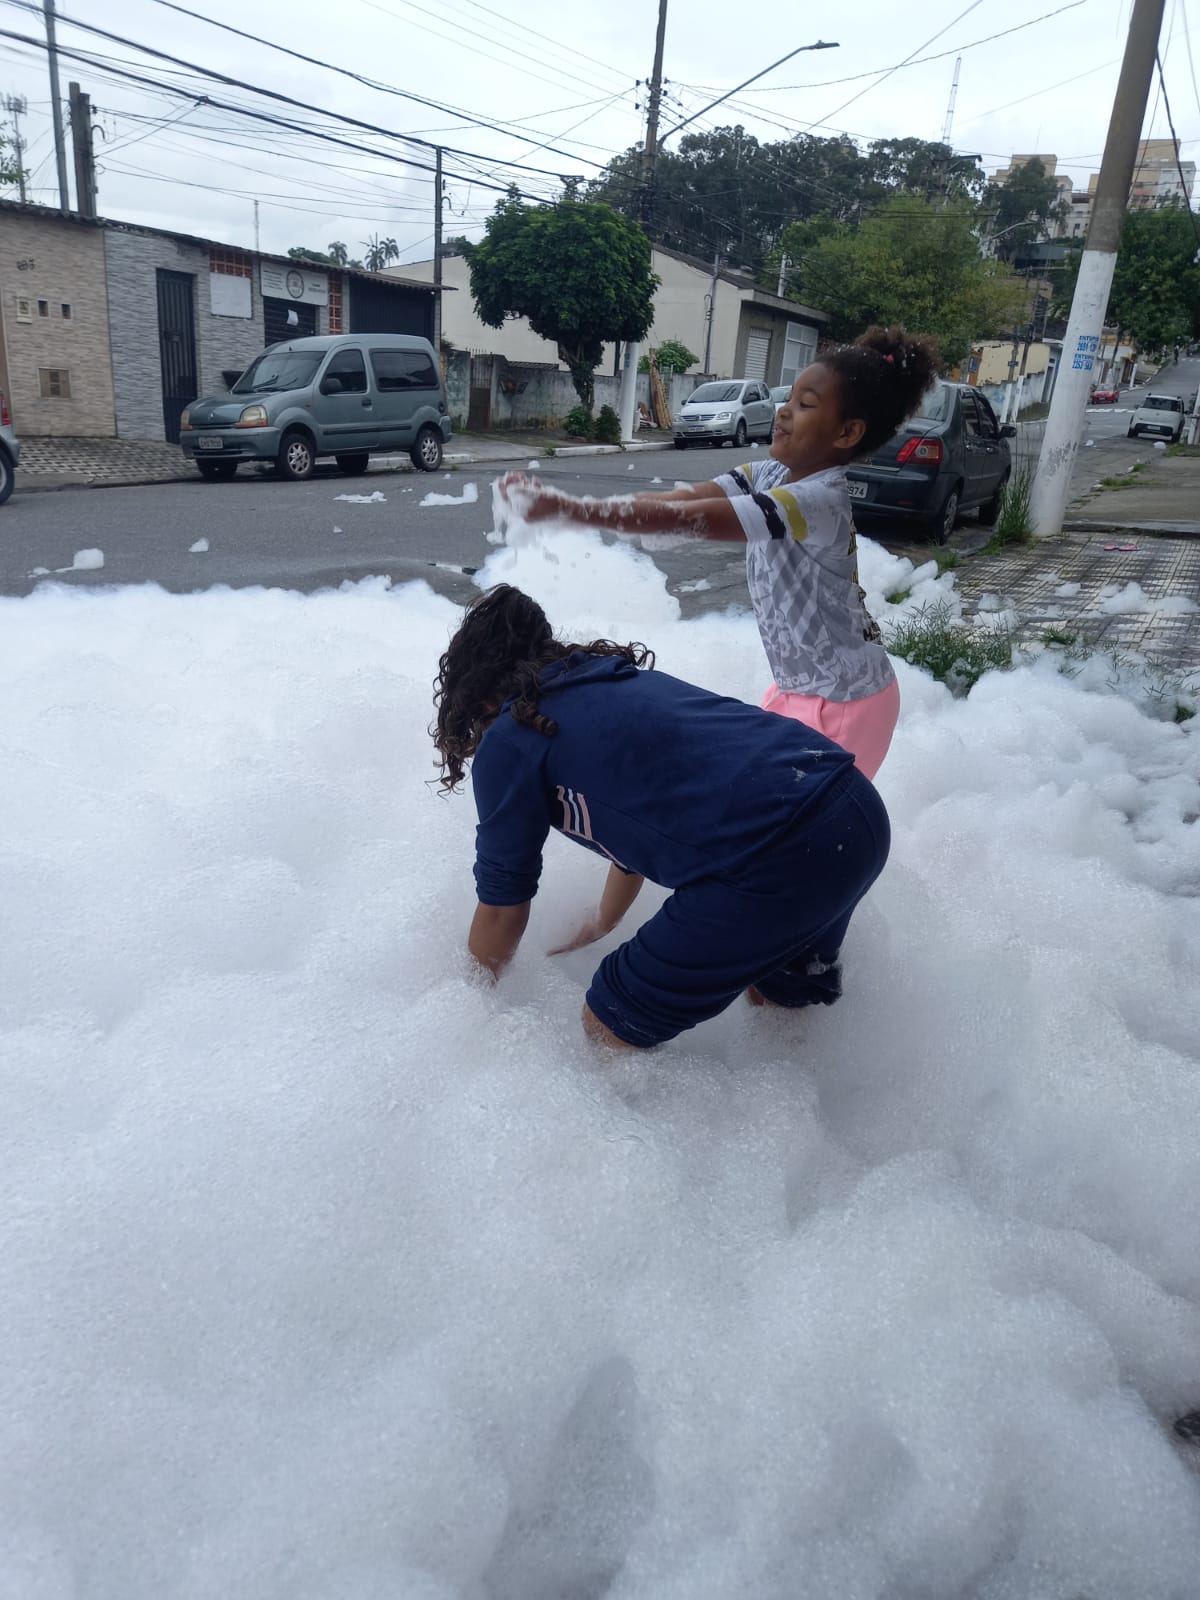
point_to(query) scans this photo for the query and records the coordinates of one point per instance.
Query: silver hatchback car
(10, 450)
(729, 411)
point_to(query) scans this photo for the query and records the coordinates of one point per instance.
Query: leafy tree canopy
(336, 255)
(10, 172)
(1023, 206)
(579, 272)
(671, 356)
(1155, 295)
(910, 261)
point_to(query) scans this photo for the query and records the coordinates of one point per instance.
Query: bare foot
(757, 998)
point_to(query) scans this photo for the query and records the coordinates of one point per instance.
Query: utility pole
(628, 402)
(60, 143)
(437, 255)
(784, 267)
(256, 250)
(16, 105)
(1052, 483)
(81, 142)
(712, 309)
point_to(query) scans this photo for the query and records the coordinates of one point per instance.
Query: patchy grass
(1183, 449)
(1014, 525)
(952, 651)
(946, 556)
(1059, 638)
(898, 597)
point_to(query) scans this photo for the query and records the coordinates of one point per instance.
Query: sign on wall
(300, 284)
(229, 296)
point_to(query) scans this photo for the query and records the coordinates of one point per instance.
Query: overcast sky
(560, 74)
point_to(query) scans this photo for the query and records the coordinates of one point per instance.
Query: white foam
(326, 1272)
(468, 497)
(375, 499)
(200, 547)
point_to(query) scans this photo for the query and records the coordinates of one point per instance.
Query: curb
(606, 449)
(1175, 530)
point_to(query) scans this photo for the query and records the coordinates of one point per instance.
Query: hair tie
(891, 360)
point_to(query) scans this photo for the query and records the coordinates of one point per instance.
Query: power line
(274, 94)
(1162, 83)
(821, 44)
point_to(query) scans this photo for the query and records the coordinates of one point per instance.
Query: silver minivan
(349, 396)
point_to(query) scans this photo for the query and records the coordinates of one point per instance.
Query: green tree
(1023, 206)
(336, 256)
(1155, 295)
(912, 262)
(578, 271)
(918, 166)
(670, 357)
(379, 252)
(10, 172)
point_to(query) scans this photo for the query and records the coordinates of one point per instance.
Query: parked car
(1105, 396)
(729, 411)
(1159, 414)
(952, 456)
(10, 450)
(780, 393)
(349, 396)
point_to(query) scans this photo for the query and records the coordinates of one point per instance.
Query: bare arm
(621, 889)
(495, 934)
(712, 518)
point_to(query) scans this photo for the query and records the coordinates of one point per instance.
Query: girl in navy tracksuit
(763, 828)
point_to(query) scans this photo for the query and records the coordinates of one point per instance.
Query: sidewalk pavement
(93, 463)
(1165, 498)
(1079, 584)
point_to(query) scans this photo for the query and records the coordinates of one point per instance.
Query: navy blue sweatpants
(778, 923)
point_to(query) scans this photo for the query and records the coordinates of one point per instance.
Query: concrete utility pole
(712, 309)
(16, 105)
(1052, 484)
(60, 143)
(437, 256)
(81, 143)
(646, 208)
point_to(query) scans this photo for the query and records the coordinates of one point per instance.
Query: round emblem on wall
(294, 283)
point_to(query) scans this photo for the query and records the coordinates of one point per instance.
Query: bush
(608, 427)
(957, 655)
(671, 356)
(579, 423)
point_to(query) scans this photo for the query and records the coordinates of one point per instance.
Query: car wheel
(6, 475)
(217, 471)
(426, 452)
(1131, 433)
(296, 460)
(943, 525)
(354, 463)
(739, 433)
(990, 509)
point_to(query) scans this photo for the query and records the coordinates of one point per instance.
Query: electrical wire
(1162, 84)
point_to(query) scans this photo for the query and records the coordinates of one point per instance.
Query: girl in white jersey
(830, 667)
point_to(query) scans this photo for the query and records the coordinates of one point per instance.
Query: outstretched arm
(703, 516)
(621, 889)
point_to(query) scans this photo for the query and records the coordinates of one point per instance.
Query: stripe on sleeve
(790, 506)
(741, 476)
(777, 528)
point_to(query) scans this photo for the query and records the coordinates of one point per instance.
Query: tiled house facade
(110, 329)
(55, 364)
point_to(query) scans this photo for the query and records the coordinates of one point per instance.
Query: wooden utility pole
(81, 143)
(1072, 388)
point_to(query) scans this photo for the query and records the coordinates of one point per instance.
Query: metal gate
(286, 319)
(758, 348)
(479, 407)
(177, 347)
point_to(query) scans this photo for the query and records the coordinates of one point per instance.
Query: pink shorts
(864, 727)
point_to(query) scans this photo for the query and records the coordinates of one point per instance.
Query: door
(761, 411)
(758, 348)
(479, 408)
(981, 449)
(345, 417)
(176, 347)
(407, 390)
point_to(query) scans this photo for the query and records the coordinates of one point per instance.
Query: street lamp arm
(821, 44)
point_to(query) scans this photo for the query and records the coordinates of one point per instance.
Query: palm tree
(380, 252)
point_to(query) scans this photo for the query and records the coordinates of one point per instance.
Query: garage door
(758, 348)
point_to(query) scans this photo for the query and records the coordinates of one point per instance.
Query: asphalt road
(303, 536)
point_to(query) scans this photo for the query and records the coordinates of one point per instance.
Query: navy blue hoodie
(655, 774)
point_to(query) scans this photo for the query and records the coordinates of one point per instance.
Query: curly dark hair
(502, 646)
(884, 375)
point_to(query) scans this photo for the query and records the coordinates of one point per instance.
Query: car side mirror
(1008, 431)
(331, 386)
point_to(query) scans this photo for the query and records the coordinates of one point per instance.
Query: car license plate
(207, 441)
(857, 491)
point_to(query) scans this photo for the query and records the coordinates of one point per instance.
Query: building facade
(107, 328)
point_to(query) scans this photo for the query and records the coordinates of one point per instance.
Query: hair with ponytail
(502, 646)
(884, 376)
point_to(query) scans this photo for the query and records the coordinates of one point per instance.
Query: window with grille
(24, 309)
(65, 310)
(43, 308)
(54, 383)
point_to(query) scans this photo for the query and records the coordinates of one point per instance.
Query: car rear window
(710, 394)
(1162, 402)
(935, 404)
(403, 369)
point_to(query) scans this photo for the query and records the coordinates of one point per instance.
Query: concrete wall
(60, 263)
(995, 354)
(546, 395)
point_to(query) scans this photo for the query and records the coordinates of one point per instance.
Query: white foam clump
(201, 547)
(533, 466)
(1133, 599)
(326, 1271)
(85, 561)
(1068, 591)
(375, 499)
(468, 497)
